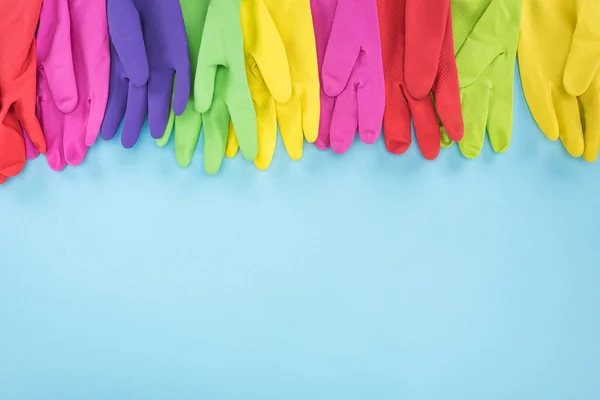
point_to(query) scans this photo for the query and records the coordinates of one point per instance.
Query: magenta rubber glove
(351, 72)
(73, 67)
(149, 48)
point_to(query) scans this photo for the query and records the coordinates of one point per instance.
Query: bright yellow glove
(281, 67)
(559, 58)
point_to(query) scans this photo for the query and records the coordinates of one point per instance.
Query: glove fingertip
(332, 88)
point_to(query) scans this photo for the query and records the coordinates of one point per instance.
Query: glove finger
(371, 103)
(446, 93)
(30, 149)
(583, 61)
(427, 28)
(75, 148)
(344, 120)
(127, 39)
(427, 127)
(204, 85)
(289, 117)
(396, 121)
(266, 117)
(311, 107)
(475, 102)
(263, 43)
(98, 102)
(538, 94)
(500, 118)
(182, 91)
(569, 123)
(3, 179)
(159, 101)
(135, 115)
(92, 50)
(180, 58)
(169, 129)
(12, 146)
(210, 57)
(590, 106)
(243, 118)
(232, 142)
(117, 100)
(24, 111)
(323, 141)
(216, 131)
(187, 132)
(52, 121)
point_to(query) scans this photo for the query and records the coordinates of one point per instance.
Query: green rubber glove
(187, 126)
(220, 92)
(486, 34)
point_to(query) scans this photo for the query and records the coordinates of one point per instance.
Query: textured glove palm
(486, 33)
(420, 74)
(18, 21)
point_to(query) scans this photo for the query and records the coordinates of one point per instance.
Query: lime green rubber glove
(220, 92)
(486, 34)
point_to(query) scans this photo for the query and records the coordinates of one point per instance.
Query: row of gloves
(320, 69)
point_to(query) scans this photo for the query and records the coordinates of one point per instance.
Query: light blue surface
(363, 276)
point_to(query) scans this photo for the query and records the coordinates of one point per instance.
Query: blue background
(362, 276)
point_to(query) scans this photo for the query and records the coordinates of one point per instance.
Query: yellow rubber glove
(559, 58)
(281, 66)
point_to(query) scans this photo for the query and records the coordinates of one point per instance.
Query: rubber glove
(351, 71)
(282, 70)
(486, 33)
(73, 71)
(420, 74)
(220, 89)
(18, 21)
(148, 48)
(559, 57)
(10, 121)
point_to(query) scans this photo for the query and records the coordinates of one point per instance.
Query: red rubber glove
(418, 62)
(10, 154)
(18, 21)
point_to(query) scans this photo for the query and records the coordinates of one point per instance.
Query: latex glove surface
(559, 57)
(420, 74)
(351, 71)
(486, 33)
(282, 71)
(13, 153)
(73, 67)
(148, 48)
(220, 91)
(18, 21)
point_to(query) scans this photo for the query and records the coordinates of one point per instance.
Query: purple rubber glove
(72, 77)
(148, 48)
(351, 71)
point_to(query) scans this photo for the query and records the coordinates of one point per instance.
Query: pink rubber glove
(73, 62)
(351, 71)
